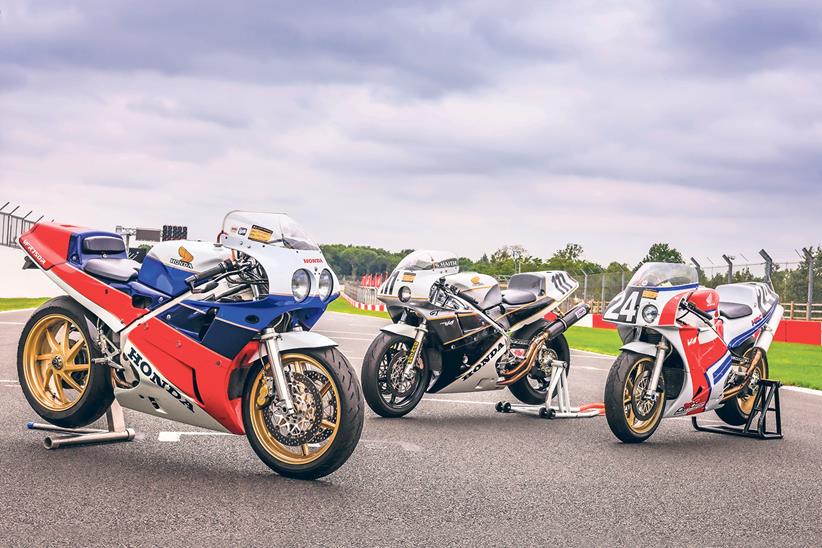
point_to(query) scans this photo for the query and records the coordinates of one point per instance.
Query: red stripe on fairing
(176, 356)
(101, 294)
(668, 316)
(699, 357)
(50, 241)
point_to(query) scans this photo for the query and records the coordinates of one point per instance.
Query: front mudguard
(401, 329)
(639, 347)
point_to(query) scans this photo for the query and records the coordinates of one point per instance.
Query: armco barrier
(793, 331)
(361, 306)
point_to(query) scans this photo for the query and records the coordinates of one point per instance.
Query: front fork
(661, 349)
(271, 340)
(422, 331)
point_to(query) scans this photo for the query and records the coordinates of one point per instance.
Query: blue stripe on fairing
(719, 373)
(672, 288)
(756, 327)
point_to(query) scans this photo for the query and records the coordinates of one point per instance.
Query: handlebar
(220, 268)
(692, 308)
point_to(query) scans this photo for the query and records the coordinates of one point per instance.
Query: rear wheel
(532, 388)
(326, 426)
(736, 410)
(55, 368)
(388, 392)
(632, 418)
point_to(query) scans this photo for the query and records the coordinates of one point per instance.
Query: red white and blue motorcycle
(687, 349)
(212, 335)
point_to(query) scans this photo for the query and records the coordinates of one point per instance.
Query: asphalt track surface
(454, 472)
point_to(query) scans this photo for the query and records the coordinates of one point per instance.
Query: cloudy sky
(457, 125)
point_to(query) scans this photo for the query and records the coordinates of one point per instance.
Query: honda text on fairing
(687, 349)
(211, 335)
(457, 332)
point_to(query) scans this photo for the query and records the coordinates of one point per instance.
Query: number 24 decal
(624, 308)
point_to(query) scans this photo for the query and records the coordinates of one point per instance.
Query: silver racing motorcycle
(458, 332)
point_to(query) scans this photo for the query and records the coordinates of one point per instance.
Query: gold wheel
(304, 437)
(747, 396)
(56, 362)
(636, 382)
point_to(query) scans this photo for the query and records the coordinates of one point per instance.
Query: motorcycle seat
(517, 296)
(120, 270)
(734, 311)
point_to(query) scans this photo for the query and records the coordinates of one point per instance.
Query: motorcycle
(458, 332)
(687, 349)
(211, 335)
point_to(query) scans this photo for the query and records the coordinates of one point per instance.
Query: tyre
(531, 389)
(55, 367)
(736, 410)
(632, 419)
(386, 390)
(326, 426)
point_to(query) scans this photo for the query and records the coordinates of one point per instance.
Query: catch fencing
(12, 225)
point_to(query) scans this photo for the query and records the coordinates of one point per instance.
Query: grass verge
(18, 303)
(791, 363)
(341, 305)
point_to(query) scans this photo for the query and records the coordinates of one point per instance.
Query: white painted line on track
(175, 436)
(16, 310)
(589, 368)
(803, 390)
(12, 323)
(596, 355)
(351, 339)
(9, 381)
(344, 332)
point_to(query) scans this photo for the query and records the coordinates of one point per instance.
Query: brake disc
(304, 424)
(324, 433)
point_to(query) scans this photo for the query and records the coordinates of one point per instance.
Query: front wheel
(387, 390)
(324, 429)
(632, 418)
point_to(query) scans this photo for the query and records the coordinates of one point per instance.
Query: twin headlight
(301, 284)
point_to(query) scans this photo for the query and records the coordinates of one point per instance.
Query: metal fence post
(602, 297)
(623, 280)
(809, 257)
(585, 287)
(729, 260)
(699, 270)
(768, 266)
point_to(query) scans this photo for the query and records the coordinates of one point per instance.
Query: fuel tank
(168, 264)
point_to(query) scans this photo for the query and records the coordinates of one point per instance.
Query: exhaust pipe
(554, 329)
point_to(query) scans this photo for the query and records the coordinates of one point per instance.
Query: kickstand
(767, 394)
(563, 409)
(117, 431)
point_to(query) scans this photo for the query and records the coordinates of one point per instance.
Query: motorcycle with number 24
(687, 349)
(212, 335)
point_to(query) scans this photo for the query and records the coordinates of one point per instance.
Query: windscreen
(428, 260)
(268, 228)
(664, 275)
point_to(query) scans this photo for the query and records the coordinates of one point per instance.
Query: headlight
(649, 313)
(326, 284)
(300, 284)
(405, 294)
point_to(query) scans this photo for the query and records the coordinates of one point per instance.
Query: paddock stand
(768, 394)
(117, 431)
(563, 409)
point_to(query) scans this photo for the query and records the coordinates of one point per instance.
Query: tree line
(357, 261)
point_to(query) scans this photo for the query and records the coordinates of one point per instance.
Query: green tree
(662, 253)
